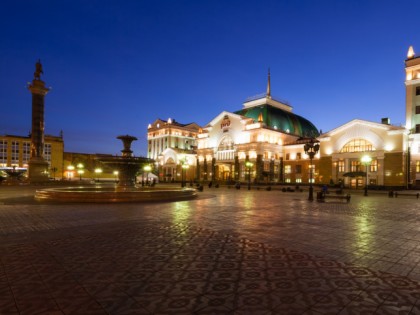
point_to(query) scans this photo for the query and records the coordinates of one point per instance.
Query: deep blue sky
(115, 66)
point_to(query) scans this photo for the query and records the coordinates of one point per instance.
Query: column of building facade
(259, 168)
(380, 171)
(281, 170)
(237, 169)
(205, 170)
(272, 169)
(198, 169)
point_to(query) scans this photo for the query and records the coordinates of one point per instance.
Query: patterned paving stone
(224, 253)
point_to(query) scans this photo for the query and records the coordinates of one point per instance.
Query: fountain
(14, 175)
(125, 190)
(127, 165)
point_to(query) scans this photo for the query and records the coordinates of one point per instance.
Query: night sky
(116, 66)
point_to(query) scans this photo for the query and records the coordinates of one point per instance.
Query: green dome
(281, 120)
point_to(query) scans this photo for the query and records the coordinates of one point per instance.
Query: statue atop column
(38, 166)
(38, 70)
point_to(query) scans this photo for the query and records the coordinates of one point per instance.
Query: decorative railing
(263, 95)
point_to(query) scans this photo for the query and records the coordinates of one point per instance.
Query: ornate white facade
(264, 142)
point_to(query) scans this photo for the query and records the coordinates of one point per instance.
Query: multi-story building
(412, 141)
(234, 146)
(15, 151)
(251, 142)
(342, 151)
(173, 146)
(265, 142)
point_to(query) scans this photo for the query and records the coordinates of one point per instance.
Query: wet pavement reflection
(228, 252)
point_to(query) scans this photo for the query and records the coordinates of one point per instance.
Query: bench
(321, 197)
(396, 194)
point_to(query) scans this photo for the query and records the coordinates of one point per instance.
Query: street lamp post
(249, 165)
(311, 149)
(70, 170)
(366, 160)
(147, 169)
(98, 171)
(80, 170)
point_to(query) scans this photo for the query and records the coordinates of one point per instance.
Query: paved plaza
(227, 252)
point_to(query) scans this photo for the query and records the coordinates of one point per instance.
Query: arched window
(358, 145)
(170, 161)
(226, 144)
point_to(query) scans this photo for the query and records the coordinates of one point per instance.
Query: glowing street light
(70, 171)
(80, 170)
(366, 160)
(147, 169)
(311, 149)
(185, 166)
(98, 172)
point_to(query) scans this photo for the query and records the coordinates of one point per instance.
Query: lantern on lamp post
(185, 166)
(249, 165)
(98, 172)
(311, 149)
(366, 160)
(147, 169)
(80, 170)
(70, 171)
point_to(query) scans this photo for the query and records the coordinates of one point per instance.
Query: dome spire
(410, 53)
(268, 85)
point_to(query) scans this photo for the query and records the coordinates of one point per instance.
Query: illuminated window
(417, 166)
(311, 166)
(355, 166)
(287, 180)
(341, 166)
(26, 152)
(15, 152)
(266, 167)
(242, 170)
(287, 169)
(374, 166)
(298, 180)
(226, 144)
(357, 145)
(47, 152)
(3, 151)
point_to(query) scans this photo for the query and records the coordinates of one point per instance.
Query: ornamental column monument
(38, 167)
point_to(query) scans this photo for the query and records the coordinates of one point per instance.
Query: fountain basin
(109, 194)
